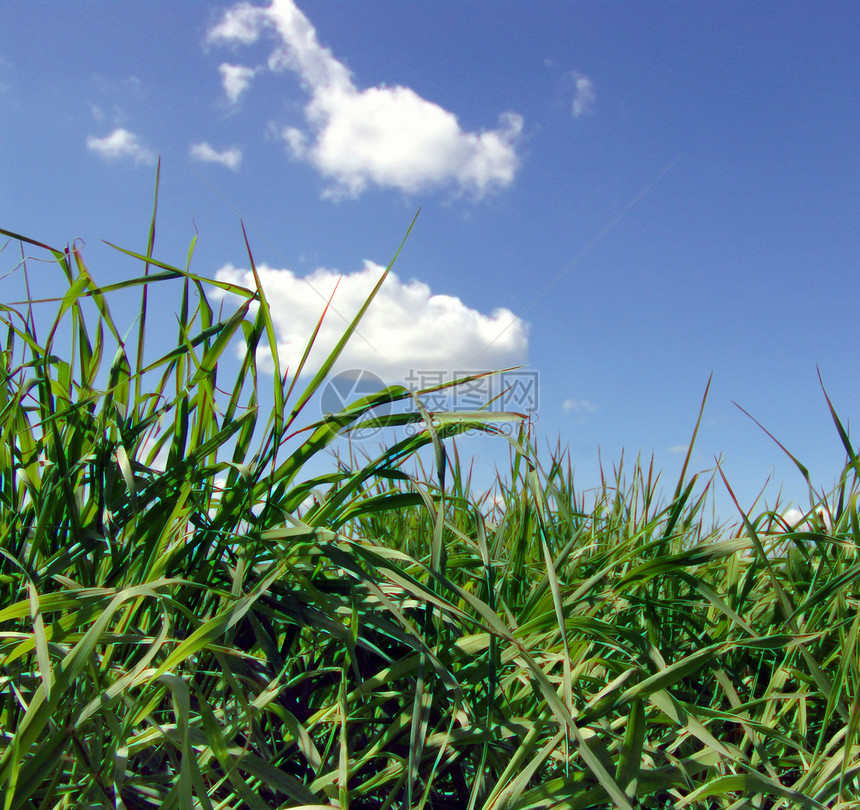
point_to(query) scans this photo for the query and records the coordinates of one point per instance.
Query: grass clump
(180, 626)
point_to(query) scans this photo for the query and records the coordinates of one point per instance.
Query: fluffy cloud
(794, 516)
(584, 95)
(804, 522)
(236, 80)
(407, 328)
(231, 158)
(121, 144)
(384, 136)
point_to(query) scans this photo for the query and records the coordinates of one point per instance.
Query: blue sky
(522, 131)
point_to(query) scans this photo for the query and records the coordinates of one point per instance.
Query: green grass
(180, 628)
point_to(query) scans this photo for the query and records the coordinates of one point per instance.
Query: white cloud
(805, 521)
(679, 448)
(121, 144)
(384, 136)
(236, 80)
(407, 327)
(239, 24)
(793, 516)
(231, 158)
(578, 406)
(584, 95)
(296, 141)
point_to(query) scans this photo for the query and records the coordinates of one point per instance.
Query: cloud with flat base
(406, 329)
(389, 137)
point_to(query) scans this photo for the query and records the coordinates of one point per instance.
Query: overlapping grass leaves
(190, 619)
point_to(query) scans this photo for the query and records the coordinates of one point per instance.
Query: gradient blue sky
(522, 131)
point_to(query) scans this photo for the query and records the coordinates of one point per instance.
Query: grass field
(188, 618)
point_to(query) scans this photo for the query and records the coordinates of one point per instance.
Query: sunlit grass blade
(328, 363)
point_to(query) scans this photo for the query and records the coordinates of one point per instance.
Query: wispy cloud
(231, 158)
(130, 85)
(407, 327)
(236, 79)
(383, 136)
(578, 406)
(119, 145)
(584, 95)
